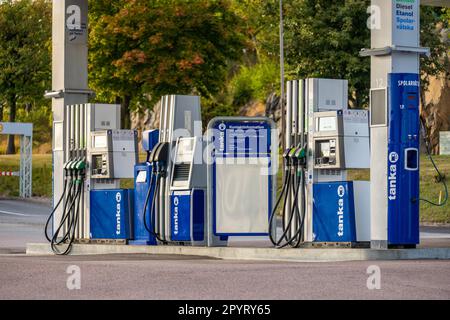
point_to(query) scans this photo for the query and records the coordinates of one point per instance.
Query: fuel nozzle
(300, 160)
(287, 157)
(80, 167)
(300, 155)
(80, 164)
(159, 158)
(294, 161)
(161, 168)
(67, 168)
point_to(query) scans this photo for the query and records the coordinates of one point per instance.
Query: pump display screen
(326, 124)
(99, 165)
(326, 152)
(97, 162)
(412, 159)
(100, 141)
(412, 100)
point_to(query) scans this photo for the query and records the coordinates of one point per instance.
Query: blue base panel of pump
(334, 212)
(403, 159)
(142, 180)
(188, 215)
(110, 214)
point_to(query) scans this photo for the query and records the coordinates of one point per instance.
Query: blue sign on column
(403, 159)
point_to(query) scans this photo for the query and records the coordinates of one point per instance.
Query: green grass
(42, 182)
(42, 175)
(429, 189)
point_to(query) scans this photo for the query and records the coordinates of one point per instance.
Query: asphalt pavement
(22, 222)
(175, 277)
(180, 278)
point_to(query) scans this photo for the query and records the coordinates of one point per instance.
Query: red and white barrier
(9, 174)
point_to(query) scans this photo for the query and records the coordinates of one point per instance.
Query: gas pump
(112, 156)
(144, 188)
(188, 193)
(92, 206)
(158, 180)
(324, 139)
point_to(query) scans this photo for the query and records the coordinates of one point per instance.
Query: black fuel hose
(70, 195)
(151, 228)
(441, 177)
(71, 215)
(288, 228)
(153, 211)
(272, 219)
(54, 210)
(293, 184)
(301, 218)
(147, 198)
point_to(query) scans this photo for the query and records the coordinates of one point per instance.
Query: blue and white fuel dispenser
(320, 206)
(144, 187)
(188, 193)
(397, 109)
(403, 159)
(112, 155)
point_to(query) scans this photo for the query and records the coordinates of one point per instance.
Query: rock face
(146, 120)
(253, 109)
(270, 109)
(149, 119)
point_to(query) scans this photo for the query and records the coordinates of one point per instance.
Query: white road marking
(432, 235)
(15, 214)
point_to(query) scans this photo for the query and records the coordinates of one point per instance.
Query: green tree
(433, 21)
(25, 63)
(323, 39)
(260, 21)
(256, 75)
(106, 46)
(149, 48)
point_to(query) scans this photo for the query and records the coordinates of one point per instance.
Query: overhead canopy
(436, 3)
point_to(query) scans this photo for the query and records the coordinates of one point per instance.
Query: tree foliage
(149, 48)
(256, 75)
(224, 50)
(323, 40)
(433, 22)
(25, 60)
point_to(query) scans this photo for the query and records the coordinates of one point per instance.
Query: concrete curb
(257, 254)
